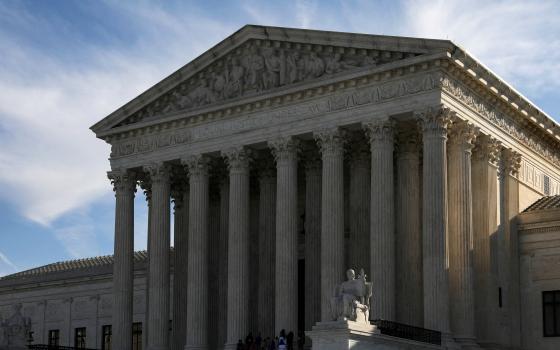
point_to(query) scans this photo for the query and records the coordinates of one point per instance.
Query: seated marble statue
(351, 298)
(15, 330)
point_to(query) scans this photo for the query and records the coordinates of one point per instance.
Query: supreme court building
(285, 156)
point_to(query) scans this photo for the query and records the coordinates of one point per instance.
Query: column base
(339, 335)
(230, 346)
(195, 347)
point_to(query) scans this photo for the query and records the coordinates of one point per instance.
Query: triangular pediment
(259, 60)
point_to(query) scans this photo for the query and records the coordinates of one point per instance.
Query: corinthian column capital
(511, 162)
(330, 141)
(237, 159)
(380, 131)
(462, 134)
(487, 148)
(196, 165)
(408, 141)
(158, 172)
(435, 120)
(123, 181)
(284, 149)
(179, 186)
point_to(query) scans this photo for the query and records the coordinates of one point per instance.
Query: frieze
(534, 177)
(335, 102)
(259, 66)
(501, 120)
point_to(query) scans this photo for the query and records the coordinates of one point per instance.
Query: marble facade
(405, 157)
(268, 104)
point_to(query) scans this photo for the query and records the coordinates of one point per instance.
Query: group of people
(281, 342)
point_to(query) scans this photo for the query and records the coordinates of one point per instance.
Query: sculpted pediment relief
(259, 66)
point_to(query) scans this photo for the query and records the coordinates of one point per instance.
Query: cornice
(501, 115)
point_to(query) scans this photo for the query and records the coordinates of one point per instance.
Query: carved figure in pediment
(234, 78)
(219, 85)
(202, 94)
(293, 71)
(369, 61)
(275, 66)
(314, 66)
(253, 63)
(335, 64)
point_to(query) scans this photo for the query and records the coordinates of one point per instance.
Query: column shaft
(359, 203)
(238, 247)
(286, 262)
(410, 306)
(123, 267)
(460, 244)
(485, 204)
(312, 241)
(509, 248)
(267, 242)
(180, 196)
(197, 275)
(158, 269)
(221, 332)
(434, 124)
(331, 145)
(382, 234)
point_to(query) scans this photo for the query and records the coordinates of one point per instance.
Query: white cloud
(6, 265)
(516, 39)
(51, 164)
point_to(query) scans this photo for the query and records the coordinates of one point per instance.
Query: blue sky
(66, 64)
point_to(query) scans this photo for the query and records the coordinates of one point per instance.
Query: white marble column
(331, 145)
(221, 332)
(267, 242)
(382, 234)
(146, 186)
(158, 269)
(197, 275)
(124, 185)
(312, 239)
(410, 305)
(433, 123)
(509, 246)
(238, 246)
(461, 293)
(359, 216)
(286, 263)
(180, 196)
(485, 225)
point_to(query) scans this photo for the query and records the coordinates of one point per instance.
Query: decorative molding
(237, 159)
(158, 172)
(462, 134)
(258, 66)
(284, 149)
(196, 165)
(487, 149)
(380, 131)
(330, 141)
(408, 141)
(512, 127)
(533, 177)
(151, 139)
(435, 120)
(123, 181)
(510, 162)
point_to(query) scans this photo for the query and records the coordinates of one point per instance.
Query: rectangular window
(500, 296)
(551, 313)
(54, 337)
(546, 185)
(137, 336)
(106, 337)
(80, 338)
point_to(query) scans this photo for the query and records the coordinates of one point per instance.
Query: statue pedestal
(340, 335)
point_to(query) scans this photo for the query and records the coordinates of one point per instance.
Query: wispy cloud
(51, 164)
(6, 265)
